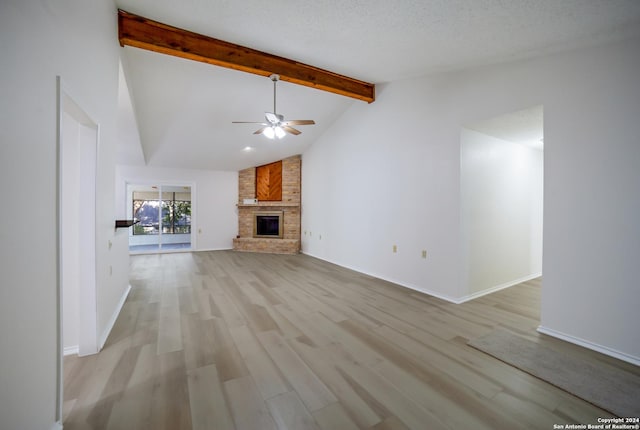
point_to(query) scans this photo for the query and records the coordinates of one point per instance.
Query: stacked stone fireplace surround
(289, 205)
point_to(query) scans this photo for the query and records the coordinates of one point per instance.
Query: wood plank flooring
(239, 341)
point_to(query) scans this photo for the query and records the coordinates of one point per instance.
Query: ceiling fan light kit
(275, 125)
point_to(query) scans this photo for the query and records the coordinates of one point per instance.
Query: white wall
(215, 195)
(592, 201)
(388, 173)
(501, 212)
(39, 40)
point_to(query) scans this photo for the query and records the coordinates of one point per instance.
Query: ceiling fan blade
(291, 130)
(299, 122)
(261, 130)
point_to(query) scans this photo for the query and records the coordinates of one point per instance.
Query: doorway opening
(501, 189)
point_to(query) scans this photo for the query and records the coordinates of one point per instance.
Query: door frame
(87, 168)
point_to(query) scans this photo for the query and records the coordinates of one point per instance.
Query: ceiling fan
(275, 125)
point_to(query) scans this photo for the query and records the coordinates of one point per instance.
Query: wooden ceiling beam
(140, 32)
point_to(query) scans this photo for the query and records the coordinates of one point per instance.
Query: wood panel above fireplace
(269, 182)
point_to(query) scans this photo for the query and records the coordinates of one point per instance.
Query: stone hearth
(289, 205)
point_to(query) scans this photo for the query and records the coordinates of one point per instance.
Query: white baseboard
(212, 249)
(498, 287)
(414, 288)
(112, 320)
(394, 281)
(70, 350)
(456, 300)
(590, 345)
(57, 426)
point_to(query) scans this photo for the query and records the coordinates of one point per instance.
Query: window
(174, 218)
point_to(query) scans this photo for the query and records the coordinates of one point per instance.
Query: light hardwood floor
(224, 340)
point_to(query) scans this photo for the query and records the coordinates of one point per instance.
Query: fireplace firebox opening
(268, 224)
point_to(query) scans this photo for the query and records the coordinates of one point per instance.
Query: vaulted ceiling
(180, 111)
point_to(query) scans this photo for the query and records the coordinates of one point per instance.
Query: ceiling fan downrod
(275, 79)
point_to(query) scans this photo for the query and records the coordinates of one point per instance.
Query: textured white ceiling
(184, 109)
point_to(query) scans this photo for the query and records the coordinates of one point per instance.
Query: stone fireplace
(284, 212)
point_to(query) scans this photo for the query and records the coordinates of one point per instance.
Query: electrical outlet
(110, 270)
(320, 237)
(395, 248)
(199, 231)
(424, 253)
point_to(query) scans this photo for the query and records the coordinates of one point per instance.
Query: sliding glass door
(163, 213)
